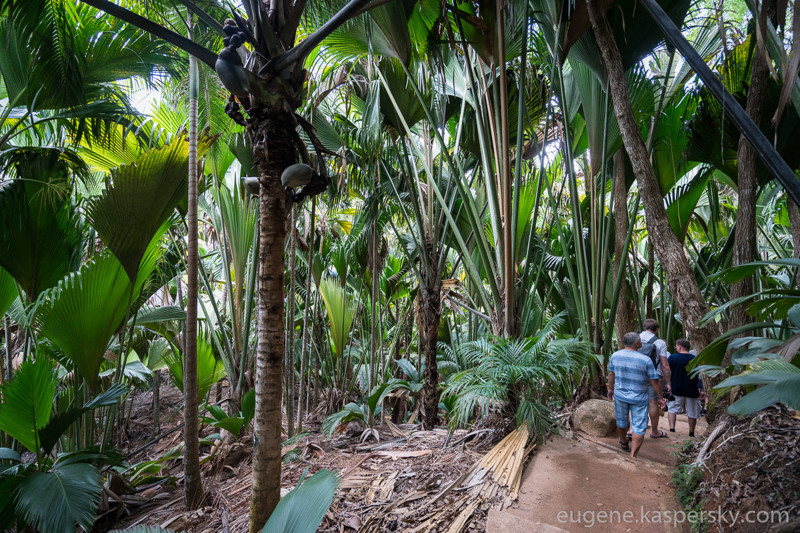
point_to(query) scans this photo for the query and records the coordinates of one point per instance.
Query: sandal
(630, 436)
(624, 446)
(661, 435)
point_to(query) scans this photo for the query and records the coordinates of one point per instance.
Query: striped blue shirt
(632, 373)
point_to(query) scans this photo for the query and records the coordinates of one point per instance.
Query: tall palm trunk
(681, 280)
(625, 319)
(430, 312)
(270, 132)
(745, 236)
(193, 483)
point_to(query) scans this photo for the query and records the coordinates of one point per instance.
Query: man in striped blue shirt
(629, 373)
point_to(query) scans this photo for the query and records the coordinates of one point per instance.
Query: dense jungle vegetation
(489, 195)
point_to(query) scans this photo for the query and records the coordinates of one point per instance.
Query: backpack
(649, 349)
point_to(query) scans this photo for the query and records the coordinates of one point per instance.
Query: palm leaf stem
(248, 306)
(187, 45)
(520, 128)
(466, 198)
(612, 312)
(111, 410)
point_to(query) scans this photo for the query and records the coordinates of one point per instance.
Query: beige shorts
(681, 403)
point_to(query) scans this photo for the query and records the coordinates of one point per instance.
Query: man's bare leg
(623, 434)
(692, 424)
(636, 444)
(655, 413)
(672, 417)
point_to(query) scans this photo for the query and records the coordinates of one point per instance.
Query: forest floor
(417, 481)
(590, 483)
(409, 480)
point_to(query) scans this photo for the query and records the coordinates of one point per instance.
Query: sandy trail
(591, 485)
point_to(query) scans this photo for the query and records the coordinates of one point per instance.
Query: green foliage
(54, 501)
(155, 315)
(302, 510)
(143, 196)
(777, 381)
(40, 240)
(209, 369)
(340, 313)
(28, 402)
(350, 412)
(86, 309)
(8, 291)
(518, 377)
(354, 411)
(60, 422)
(687, 478)
(237, 422)
(144, 473)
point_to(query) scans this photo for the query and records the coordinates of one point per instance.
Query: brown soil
(588, 483)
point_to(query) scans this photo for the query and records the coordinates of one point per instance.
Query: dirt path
(581, 484)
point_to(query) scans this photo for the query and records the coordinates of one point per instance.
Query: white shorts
(681, 403)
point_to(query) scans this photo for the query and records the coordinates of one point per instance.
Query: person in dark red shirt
(688, 391)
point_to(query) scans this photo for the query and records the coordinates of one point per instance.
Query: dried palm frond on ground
(446, 492)
(409, 480)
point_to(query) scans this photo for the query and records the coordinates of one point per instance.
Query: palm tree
(682, 283)
(273, 90)
(193, 483)
(745, 237)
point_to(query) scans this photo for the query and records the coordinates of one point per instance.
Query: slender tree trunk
(157, 401)
(682, 282)
(430, 312)
(651, 278)
(373, 345)
(289, 356)
(306, 313)
(319, 343)
(272, 136)
(193, 483)
(625, 319)
(745, 233)
(509, 270)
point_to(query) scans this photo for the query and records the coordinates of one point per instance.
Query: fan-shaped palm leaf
(209, 370)
(84, 311)
(8, 291)
(54, 501)
(39, 237)
(140, 199)
(340, 313)
(28, 402)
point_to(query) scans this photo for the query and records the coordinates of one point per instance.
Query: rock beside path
(595, 418)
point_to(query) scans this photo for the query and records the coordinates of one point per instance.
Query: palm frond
(28, 402)
(140, 199)
(55, 501)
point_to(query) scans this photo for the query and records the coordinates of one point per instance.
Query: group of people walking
(644, 379)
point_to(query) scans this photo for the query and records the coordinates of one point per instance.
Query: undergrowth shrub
(523, 378)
